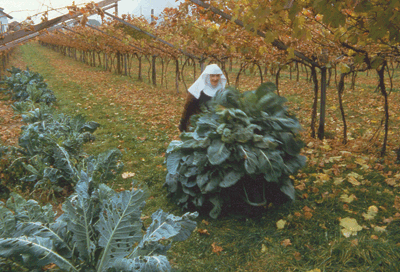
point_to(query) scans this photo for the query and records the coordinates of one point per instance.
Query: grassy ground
(340, 181)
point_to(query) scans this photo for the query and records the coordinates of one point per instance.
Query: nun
(206, 86)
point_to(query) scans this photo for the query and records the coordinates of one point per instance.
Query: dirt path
(10, 125)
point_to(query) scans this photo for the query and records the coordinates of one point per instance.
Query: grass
(141, 120)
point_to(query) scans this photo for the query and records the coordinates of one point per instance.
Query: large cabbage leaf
(119, 226)
(79, 214)
(34, 252)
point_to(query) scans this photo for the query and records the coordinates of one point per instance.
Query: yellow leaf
(128, 175)
(346, 198)
(264, 248)
(372, 212)
(337, 181)
(333, 159)
(353, 181)
(290, 52)
(351, 52)
(327, 147)
(350, 226)
(321, 177)
(360, 161)
(315, 270)
(344, 68)
(380, 229)
(281, 224)
(391, 182)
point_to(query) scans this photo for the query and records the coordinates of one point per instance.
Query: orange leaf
(286, 242)
(300, 187)
(308, 215)
(354, 242)
(203, 231)
(48, 267)
(216, 249)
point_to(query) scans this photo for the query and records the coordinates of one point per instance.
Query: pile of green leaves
(27, 86)
(240, 146)
(100, 230)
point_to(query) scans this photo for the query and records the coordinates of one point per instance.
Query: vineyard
(89, 128)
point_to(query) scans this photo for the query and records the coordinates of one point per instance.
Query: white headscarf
(203, 83)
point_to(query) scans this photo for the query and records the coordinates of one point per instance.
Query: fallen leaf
(321, 177)
(203, 231)
(205, 222)
(350, 226)
(327, 147)
(372, 212)
(374, 237)
(360, 161)
(49, 266)
(128, 175)
(380, 229)
(286, 242)
(387, 220)
(391, 182)
(353, 181)
(300, 187)
(337, 181)
(216, 249)
(347, 199)
(308, 215)
(354, 242)
(333, 159)
(281, 224)
(264, 248)
(297, 256)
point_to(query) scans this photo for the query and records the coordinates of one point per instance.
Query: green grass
(249, 243)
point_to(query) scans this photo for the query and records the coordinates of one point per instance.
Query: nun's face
(214, 79)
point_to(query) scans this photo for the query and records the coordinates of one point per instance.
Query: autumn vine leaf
(350, 226)
(216, 249)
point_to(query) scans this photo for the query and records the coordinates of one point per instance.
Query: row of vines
(291, 37)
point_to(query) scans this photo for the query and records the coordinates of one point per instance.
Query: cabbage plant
(27, 86)
(241, 145)
(100, 230)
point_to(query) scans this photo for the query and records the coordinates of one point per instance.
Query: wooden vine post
(382, 87)
(321, 128)
(153, 70)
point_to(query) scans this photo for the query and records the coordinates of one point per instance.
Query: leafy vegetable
(100, 230)
(244, 144)
(51, 148)
(51, 145)
(27, 86)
